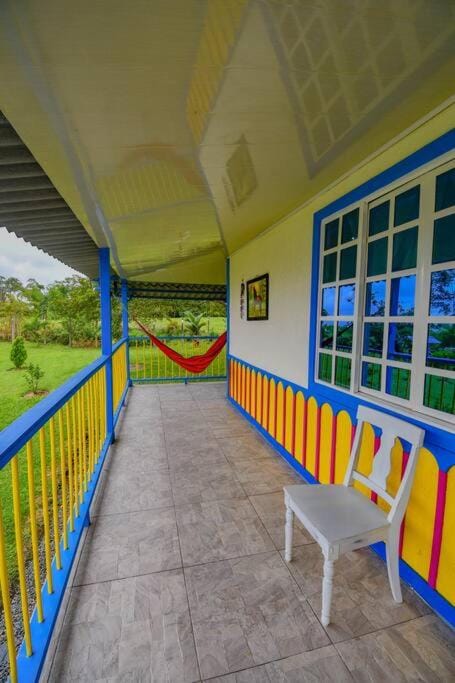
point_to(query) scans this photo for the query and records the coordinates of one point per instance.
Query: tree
(33, 376)
(194, 323)
(18, 353)
(75, 303)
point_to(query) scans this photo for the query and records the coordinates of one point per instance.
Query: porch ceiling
(178, 130)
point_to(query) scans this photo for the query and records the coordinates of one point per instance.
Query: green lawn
(59, 363)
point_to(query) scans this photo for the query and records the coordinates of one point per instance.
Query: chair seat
(335, 513)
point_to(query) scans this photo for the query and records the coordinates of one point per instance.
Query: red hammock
(194, 364)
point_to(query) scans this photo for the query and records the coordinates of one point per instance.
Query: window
(387, 296)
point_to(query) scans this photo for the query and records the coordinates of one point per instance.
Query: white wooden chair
(341, 519)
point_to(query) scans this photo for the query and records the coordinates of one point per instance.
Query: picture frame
(257, 298)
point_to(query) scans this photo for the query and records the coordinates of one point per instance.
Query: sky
(19, 259)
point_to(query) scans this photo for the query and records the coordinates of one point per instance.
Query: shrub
(33, 376)
(18, 353)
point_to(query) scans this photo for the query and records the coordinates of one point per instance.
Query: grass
(59, 363)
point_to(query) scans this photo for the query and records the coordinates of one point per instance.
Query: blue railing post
(125, 332)
(106, 334)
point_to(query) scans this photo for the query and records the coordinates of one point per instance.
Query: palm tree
(194, 323)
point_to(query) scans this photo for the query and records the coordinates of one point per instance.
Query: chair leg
(393, 569)
(288, 531)
(327, 584)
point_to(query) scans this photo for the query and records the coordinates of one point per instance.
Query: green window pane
(442, 292)
(377, 257)
(348, 258)
(379, 218)
(346, 300)
(350, 226)
(407, 206)
(373, 339)
(400, 342)
(343, 372)
(398, 382)
(441, 346)
(445, 190)
(405, 249)
(444, 239)
(329, 273)
(326, 337)
(375, 298)
(439, 393)
(371, 375)
(328, 301)
(325, 367)
(344, 336)
(331, 234)
(402, 294)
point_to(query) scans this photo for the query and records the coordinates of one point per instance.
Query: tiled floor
(182, 576)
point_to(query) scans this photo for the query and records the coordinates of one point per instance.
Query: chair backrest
(392, 429)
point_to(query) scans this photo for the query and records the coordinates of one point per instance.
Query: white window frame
(426, 177)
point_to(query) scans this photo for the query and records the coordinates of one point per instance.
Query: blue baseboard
(440, 605)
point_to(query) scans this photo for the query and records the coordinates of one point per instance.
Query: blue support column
(228, 319)
(125, 331)
(106, 334)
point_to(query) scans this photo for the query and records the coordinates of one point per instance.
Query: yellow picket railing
(43, 486)
(119, 373)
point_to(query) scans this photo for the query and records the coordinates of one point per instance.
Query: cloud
(22, 260)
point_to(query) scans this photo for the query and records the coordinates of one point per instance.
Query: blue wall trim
(439, 440)
(436, 601)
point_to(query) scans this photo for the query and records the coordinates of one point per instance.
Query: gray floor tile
(419, 650)
(264, 475)
(323, 665)
(129, 544)
(220, 529)
(247, 447)
(199, 483)
(248, 611)
(135, 490)
(271, 509)
(195, 455)
(133, 629)
(361, 601)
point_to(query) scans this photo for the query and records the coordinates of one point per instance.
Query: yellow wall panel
(259, 397)
(394, 478)
(247, 389)
(280, 413)
(420, 513)
(325, 443)
(343, 445)
(289, 423)
(445, 583)
(265, 402)
(299, 424)
(272, 399)
(310, 461)
(365, 461)
(253, 394)
(243, 387)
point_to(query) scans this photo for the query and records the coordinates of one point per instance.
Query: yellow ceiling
(177, 130)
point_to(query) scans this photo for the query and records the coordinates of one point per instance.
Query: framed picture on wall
(257, 298)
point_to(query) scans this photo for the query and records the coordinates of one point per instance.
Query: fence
(149, 364)
(51, 459)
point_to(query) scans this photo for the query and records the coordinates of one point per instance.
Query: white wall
(279, 344)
